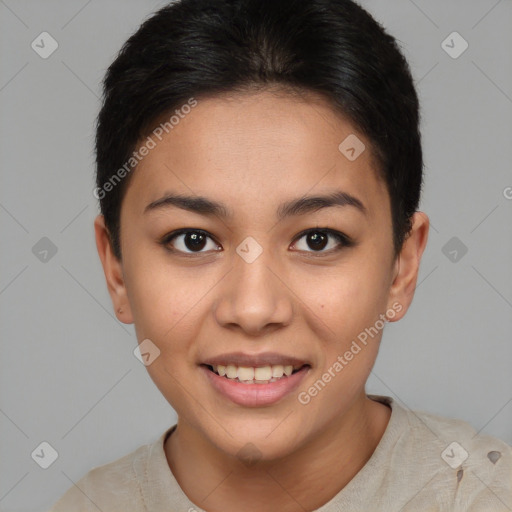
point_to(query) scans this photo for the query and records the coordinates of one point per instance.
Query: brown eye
(318, 240)
(189, 241)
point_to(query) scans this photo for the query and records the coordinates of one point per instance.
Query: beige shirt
(423, 462)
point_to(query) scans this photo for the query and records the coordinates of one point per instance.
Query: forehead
(260, 146)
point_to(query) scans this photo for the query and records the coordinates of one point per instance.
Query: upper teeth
(245, 373)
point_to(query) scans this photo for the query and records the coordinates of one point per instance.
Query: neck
(304, 480)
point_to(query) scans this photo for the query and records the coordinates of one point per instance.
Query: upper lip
(254, 360)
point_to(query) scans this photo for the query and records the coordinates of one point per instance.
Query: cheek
(159, 297)
(165, 307)
(345, 298)
(346, 302)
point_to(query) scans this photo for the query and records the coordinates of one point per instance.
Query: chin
(251, 442)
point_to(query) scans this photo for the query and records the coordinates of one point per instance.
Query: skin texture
(252, 152)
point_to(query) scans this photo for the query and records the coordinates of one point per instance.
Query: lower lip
(255, 395)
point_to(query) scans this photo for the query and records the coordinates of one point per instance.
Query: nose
(255, 297)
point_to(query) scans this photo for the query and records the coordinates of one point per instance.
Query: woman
(259, 169)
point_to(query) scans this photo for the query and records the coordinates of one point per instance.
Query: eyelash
(344, 240)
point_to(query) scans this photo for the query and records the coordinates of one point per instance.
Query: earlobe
(407, 265)
(113, 270)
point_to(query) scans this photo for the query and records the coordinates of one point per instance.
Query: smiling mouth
(255, 375)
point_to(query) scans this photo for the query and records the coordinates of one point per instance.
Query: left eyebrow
(308, 204)
(300, 206)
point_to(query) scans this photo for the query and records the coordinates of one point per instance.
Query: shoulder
(471, 470)
(115, 486)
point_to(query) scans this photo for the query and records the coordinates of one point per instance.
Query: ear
(112, 267)
(407, 266)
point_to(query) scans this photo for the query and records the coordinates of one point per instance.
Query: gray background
(68, 373)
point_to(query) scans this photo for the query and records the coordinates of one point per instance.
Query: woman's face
(246, 286)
